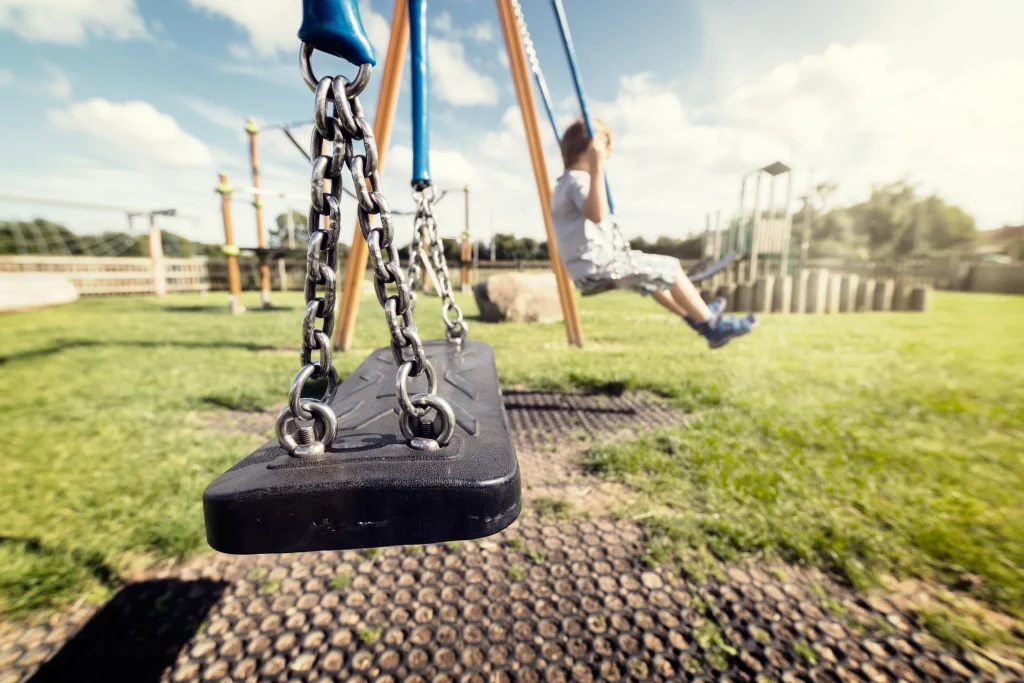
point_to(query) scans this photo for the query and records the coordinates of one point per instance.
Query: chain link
(456, 328)
(339, 123)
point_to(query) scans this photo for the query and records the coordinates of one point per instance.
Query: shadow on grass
(137, 635)
(67, 345)
(223, 309)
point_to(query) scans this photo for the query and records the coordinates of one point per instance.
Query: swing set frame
(355, 267)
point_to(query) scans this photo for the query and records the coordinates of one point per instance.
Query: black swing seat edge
(371, 489)
(703, 270)
(699, 272)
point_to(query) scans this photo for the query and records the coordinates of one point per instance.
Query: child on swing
(579, 208)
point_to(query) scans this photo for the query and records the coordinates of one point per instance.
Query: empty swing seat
(371, 489)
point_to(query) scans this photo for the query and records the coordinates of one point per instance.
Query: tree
(279, 233)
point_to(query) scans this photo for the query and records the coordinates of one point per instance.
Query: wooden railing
(97, 276)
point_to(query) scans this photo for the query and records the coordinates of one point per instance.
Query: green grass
(547, 506)
(957, 630)
(860, 443)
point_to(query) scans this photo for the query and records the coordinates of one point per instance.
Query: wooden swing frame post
(355, 268)
(230, 250)
(261, 236)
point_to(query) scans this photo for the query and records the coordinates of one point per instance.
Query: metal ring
(419, 353)
(344, 110)
(322, 415)
(333, 218)
(295, 390)
(448, 306)
(391, 316)
(369, 145)
(320, 95)
(352, 88)
(444, 411)
(323, 344)
(309, 317)
(377, 262)
(313, 249)
(402, 388)
(321, 164)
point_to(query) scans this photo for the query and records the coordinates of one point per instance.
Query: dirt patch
(556, 474)
(260, 423)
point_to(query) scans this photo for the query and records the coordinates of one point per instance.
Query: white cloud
(454, 80)
(448, 167)
(854, 113)
(859, 117)
(70, 22)
(56, 83)
(217, 114)
(271, 25)
(6, 77)
(480, 32)
(134, 133)
(443, 23)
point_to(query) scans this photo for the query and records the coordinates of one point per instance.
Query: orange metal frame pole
(355, 268)
(261, 236)
(524, 92)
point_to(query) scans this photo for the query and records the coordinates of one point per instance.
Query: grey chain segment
(338, 124)
(456, 328)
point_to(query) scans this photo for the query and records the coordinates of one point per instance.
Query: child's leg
(688, 298)
(664, 297)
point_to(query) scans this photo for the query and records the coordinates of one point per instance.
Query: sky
(141, 103)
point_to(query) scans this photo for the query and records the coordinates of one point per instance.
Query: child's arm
(596, 207)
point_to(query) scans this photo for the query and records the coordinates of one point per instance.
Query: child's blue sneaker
(717, 306)
(719, 330)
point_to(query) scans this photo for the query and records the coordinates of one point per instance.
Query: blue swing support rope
(697, 273)
(420, 94)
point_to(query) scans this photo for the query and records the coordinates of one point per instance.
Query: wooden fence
(95, 276)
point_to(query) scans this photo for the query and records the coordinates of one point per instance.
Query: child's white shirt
(585, 247)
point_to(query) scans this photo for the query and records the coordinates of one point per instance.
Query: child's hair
(575, 139)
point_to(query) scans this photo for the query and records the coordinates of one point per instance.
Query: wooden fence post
(261, 236)
(156, 258)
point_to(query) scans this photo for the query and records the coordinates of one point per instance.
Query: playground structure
(761, 281)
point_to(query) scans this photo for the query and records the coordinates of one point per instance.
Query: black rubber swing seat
(371, 489)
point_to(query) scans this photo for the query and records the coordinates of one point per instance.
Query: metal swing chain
(415, 270)
(338, 120)
(456, 329)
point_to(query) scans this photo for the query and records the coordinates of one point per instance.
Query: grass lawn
(866, 444)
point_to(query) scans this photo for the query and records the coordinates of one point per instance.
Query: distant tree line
(892, 223)
(43, 237)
